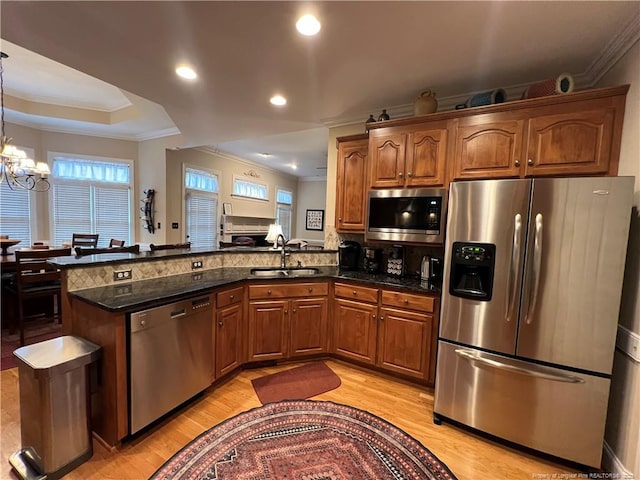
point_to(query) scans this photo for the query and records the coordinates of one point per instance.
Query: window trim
(185, 191)
(244, 197)
(132, 182)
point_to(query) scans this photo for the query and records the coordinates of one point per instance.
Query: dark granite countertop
(135, 296)
(106, 258)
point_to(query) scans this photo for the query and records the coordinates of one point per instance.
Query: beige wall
(623, 422)
(311, 195)
(226, 167)
(151, 173)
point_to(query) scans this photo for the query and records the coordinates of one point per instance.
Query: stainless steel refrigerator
(531, 292)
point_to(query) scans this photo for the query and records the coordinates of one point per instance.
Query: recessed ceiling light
(264, 154)
(278, 100)
(186, 72)
(308, 25)
(294, 166)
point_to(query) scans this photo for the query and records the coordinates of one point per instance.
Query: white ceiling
(107, 68)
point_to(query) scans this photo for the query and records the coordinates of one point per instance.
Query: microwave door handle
(514, 270)
(537, 263)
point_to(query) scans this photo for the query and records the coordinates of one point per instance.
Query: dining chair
(170, 246)
(116, 243)
(84, 240)
(36, 278)
(81, 251)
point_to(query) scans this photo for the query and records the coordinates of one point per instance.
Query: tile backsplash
(102, 275)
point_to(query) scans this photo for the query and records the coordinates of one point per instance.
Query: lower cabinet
(287, 320)
(228, 328)
(393, 330)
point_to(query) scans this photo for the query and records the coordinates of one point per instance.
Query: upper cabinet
(573, 134)
(577, 134)
(351, 182)
(408, 156)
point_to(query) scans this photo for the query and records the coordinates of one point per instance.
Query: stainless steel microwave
(411, 215)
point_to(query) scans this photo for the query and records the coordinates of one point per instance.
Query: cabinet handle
(220, 323)
(381, 317)
(268, 292)
(530, 162)
(339, 219)
(355, 293)
(409, 174)
(310, 289)
(405, 301)
(286, 311)
(294, 310)
(400, 174)
(373, 316)
(517, 163)
(231, 297)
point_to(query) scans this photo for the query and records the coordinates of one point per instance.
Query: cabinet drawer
(281, 290)
(228, 297)
(421, 303)
(364, 294)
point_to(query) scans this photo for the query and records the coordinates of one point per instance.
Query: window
(16, 210)
(91, 196)
(284, 209)
(245, 188)
(201, 207)
(15, 207)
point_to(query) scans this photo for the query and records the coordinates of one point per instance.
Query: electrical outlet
(121, 275)
(196, 264)
(174, 225)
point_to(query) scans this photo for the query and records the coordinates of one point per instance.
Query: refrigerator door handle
(514, 271)
(537, 262)
(473, 357)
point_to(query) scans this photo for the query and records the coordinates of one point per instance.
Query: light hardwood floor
(406, 405)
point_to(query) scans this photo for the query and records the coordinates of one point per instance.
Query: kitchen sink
(284, 272)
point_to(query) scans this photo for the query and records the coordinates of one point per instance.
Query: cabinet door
(268, 329)
(228, 346)
(575, 143)
(404, 342)
(387, 156)
(426, 156)
(488, 149)
(351, 186)
(354, 330)
(308, 326)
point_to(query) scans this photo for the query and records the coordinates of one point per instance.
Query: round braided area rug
(304, 440)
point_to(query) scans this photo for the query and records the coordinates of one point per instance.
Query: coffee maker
(349, 255)
(372, 260)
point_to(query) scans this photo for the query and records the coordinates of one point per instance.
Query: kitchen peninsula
(381, 322)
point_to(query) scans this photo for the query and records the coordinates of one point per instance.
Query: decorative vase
(426, 103)
(383, 116)
(368, 121)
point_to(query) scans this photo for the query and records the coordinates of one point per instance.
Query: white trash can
(55, 418)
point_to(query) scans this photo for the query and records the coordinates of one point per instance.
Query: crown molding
(229, 156)
(608, 57)
(612, 52)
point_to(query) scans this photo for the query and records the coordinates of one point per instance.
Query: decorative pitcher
(426, 103)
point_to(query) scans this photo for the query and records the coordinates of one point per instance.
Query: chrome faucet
(283, 252)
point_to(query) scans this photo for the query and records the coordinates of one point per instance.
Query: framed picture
(226, 209)
(315, 220)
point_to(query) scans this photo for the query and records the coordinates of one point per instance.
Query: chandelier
(16, 168)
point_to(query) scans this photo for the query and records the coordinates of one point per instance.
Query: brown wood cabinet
(393, 330)
(228, 331)
(351, 183)
(287, 320)
(408, 156)
(576, 135)
(407, 334)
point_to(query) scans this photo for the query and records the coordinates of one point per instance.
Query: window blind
(283, 218)
(15, 209)
(72, 206)
(112, 207)
(245, 188)
(202, 220)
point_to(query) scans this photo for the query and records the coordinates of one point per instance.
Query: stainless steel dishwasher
(170, 358)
